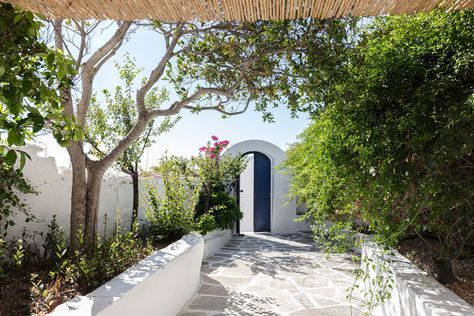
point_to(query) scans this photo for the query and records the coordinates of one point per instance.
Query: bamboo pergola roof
(241, 10)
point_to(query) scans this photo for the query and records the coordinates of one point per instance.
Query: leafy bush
(206, 223)
(392, 150)
(223, 207)
(56, 274)
(86, 268)
(171, 213)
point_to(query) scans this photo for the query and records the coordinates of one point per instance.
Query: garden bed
(419, 251)
(18, 297)
(171, 265)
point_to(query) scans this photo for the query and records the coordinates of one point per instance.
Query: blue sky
(193, 130)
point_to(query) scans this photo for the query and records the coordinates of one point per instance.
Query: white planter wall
(161, 284)
(158, 285)
(414, 292)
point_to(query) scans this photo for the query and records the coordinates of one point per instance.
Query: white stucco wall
(55, 192)
(283, 210)
(414, 293)
(160, 284)
(116, 196)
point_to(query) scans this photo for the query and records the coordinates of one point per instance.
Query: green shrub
(107, 257)
(171, 213)
(206, 223)
(91, 265)
(223, 207)
(392, 149)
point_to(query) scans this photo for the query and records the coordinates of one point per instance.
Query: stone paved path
(263, 274)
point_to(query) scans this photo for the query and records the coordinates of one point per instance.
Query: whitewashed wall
(116, 196)
(215, 240)
(55, 192)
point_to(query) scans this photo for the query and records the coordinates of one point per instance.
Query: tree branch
(150, 129)
(93, 64)
(93, 144)
(157, 72)
(220, 108)
(145, 116)
(82, 46)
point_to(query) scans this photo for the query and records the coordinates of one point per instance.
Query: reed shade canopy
(240, 10)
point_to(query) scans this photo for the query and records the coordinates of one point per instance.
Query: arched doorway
(282, 213)
(255, 194)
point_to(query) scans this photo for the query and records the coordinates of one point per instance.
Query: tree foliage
(392, 149)
(30, 76)
(262, 63)
(106, 126)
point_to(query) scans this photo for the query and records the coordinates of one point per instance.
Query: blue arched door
(262, 196)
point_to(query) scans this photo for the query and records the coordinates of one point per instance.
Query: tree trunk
(78, 193)
(95, 173)
(134, 175)
(86, 184)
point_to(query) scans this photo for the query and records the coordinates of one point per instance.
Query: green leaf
(10, 157)
(62, 71)
(16, 137)
(51, 57)
(22, 160)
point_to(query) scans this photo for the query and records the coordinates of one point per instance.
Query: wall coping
(113, 290)
(414, 291)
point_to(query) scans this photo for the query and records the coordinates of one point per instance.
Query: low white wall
(414, 293)
(54, 196)
(158, 285)
(215, 240)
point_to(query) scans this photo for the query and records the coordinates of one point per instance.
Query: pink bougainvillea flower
(203, 148)
(221, 149)
(224, 143)
(214, 137)
(213, 156)
(211, 149)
